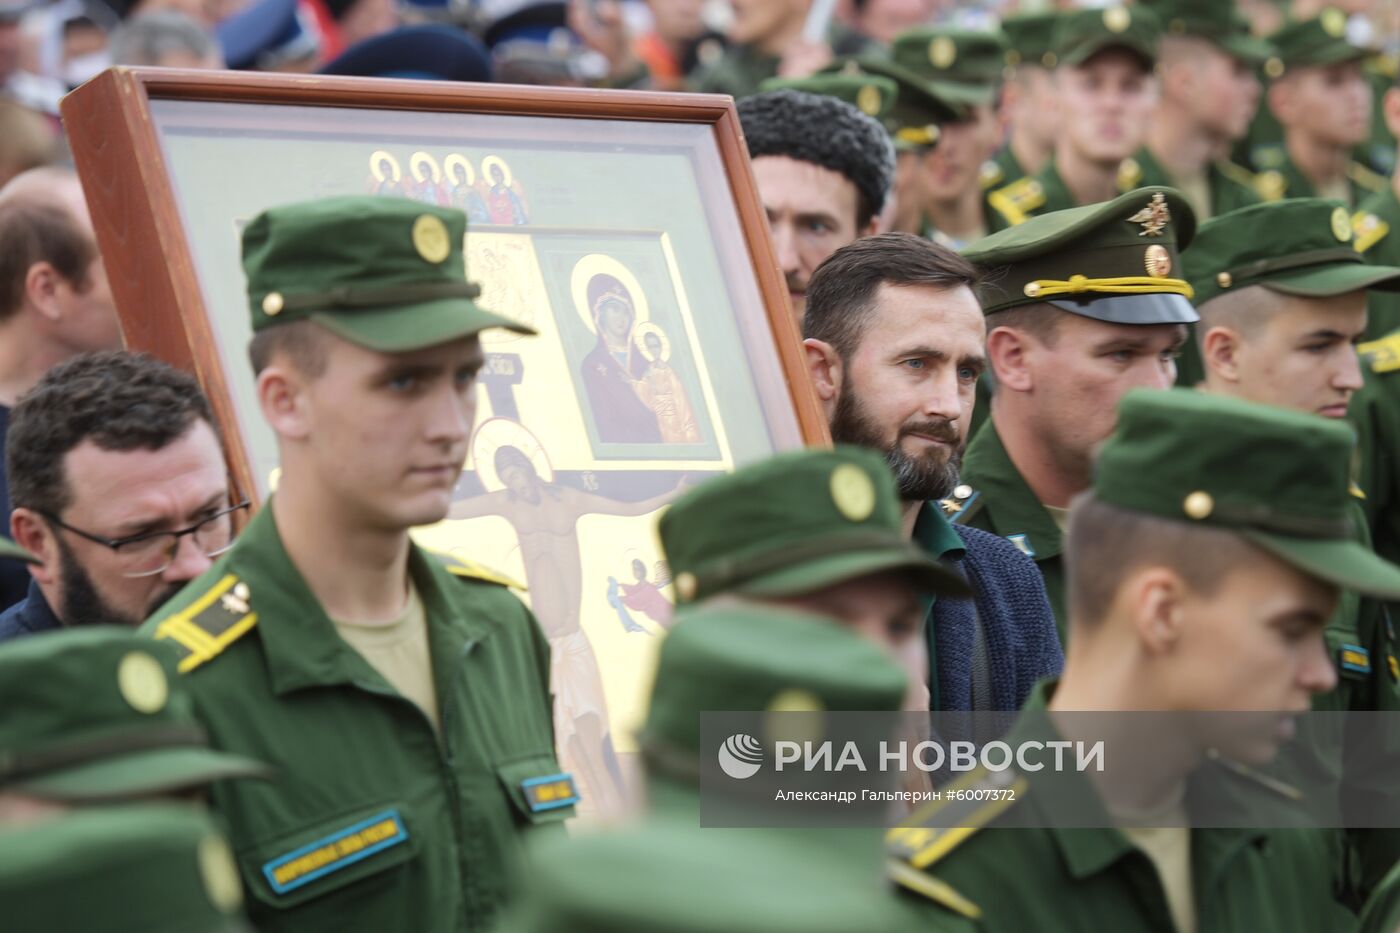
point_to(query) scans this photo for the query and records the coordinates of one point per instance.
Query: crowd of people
(1099, 306)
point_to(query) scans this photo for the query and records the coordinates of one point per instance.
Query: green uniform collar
(1089, 851)
(1017, 511)
(300, 642)
(935, 534)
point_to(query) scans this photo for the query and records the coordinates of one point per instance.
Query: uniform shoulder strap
(471, 570)
(215, 619)
(1237, 173)
(1382, 355)
(1368, 230)
(1366, 178)
(1016, 201)
(962, 505)
(962, 808)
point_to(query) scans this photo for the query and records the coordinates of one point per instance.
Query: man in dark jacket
(895, 346)
(118, 484)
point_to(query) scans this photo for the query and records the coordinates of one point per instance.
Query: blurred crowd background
(48, 47)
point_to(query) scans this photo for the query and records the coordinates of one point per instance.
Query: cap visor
(1337, 279)
(402, 328)
(1245, 48)
(1349, 564)
(9, 549)
(1089, 49)
(155, 771)
(848, 565)
(1132, 309)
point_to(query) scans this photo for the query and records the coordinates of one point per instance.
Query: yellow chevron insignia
(1368, 230)
(204, 628)
(1383, 355)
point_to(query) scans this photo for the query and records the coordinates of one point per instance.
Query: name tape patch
(340, 849)
(550, 792)
(1355, 658)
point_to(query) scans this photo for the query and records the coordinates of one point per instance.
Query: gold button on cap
(430, 239)
(687, 586)
(853, 492)
(1224, 280)
(1341, 224)
(272, 304)
(1198, 505)
(142, 682)
(1117, 19)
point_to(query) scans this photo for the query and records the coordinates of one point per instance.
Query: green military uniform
(672, 874)
(1112, 262)
(1277, 479)
(96, 715)
(919, 109)
(1229, 186)
(964, 67)
(1317, 42)
(1376, 225)
(1382, 912)
(1078, 36)
(381, 814)
(1304, 247)
(144, 867)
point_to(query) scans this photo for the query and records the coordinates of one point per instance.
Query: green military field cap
(153, 868)
(1216, 20)
(688, 879)
(384, 273)
(1079, 35)
(1028, 38)
(9, 549)
(742, 658)
(920, 108)
(1117, 261)
(1321, 40)
(1278, 477)
(96, 713)
(1298, 246)
(967, 64)
(872, 95)
(791, 524)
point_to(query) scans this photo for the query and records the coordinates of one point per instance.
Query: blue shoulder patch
(550, 792)
(340, 849)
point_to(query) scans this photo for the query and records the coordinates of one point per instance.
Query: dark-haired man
(895, 346)
(824, 170)
(119, 486)
(408, 707)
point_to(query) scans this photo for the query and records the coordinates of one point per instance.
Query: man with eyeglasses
(119, 486)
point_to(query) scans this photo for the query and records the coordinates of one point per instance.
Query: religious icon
(505, 200)
(661, 389)
(386, 177)
(522, 488)
(641, 595)
(612, 369)
(461, 188)
(427, 179)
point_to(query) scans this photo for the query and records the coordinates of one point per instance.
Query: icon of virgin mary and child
(635, 394)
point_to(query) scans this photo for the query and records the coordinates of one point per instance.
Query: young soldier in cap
(1209, 95)
(1103, 76)
(915, 121)
(97, 715)
(1082, 305)
(1028, 100)
(153, 868)
(1282, 299)
(1203, 567)
(965, 66)
(824, 170)
(1323, 101)
(815, 530)
(408, 708)
(895, 346)
(671, 873)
